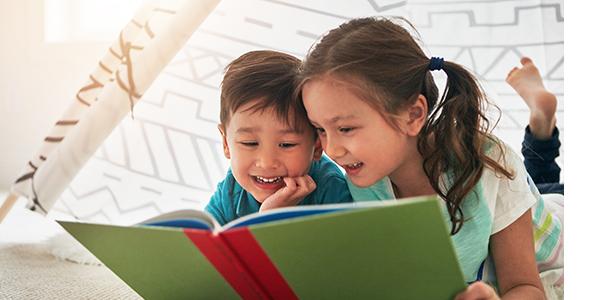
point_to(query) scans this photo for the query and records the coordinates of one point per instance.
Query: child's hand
(478, 291)
(295, 189)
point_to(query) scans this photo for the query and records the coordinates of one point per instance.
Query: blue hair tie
(436, 63)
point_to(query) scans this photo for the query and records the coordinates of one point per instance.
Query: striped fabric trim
(547, 231)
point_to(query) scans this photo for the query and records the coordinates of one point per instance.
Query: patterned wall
(169, 155)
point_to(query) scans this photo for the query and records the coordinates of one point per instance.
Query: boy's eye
(287, 145)
(249, 144)
(345, 129)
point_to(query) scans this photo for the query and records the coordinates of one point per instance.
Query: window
(86, 21)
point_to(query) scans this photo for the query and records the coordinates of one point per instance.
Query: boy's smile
(273, 183)
(264, 150)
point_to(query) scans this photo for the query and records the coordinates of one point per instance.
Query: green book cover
(398, 249)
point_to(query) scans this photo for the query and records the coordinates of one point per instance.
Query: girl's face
(354, 134)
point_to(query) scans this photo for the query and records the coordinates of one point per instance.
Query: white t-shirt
(494, 203)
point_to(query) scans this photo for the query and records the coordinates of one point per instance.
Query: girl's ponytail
(385, 60)
(453, 139)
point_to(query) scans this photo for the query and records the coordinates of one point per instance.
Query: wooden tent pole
(9, 202)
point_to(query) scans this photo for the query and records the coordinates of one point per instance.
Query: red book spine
(227, 264)
(258, 263)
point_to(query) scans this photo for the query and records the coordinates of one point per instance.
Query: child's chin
(260, 198)
(361, 183)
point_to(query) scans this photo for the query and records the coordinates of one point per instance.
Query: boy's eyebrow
(256, 129)
(247, 130)
(289, 130)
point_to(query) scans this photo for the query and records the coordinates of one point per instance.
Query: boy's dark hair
(389, 70)
(269, 77)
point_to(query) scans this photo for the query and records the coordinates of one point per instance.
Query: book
(397, 249)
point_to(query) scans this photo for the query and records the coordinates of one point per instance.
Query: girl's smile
(354, 134)
(353, 168)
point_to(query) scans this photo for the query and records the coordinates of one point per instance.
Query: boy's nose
(267, 160)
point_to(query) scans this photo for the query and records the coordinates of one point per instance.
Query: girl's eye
(249, 144)
(345, 129)
(320, 131)
(287, 145)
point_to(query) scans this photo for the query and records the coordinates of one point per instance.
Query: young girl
(367, 88)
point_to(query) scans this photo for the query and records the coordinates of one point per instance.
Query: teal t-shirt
(230, 201)
(471, 242)
(494, 203)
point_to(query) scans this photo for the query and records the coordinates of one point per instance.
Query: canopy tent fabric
(168, 155)
(146, 44)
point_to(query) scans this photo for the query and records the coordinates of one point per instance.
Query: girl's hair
(390, 70)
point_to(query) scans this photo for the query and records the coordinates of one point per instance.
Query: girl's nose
(334, 149)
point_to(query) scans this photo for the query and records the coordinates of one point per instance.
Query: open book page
(292, 212)
(202, 220)
(185, 218)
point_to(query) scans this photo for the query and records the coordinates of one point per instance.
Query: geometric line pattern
(170, 156)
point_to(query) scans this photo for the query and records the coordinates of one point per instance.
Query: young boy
(274, 151)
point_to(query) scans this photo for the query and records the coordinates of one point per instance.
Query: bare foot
(527, 81)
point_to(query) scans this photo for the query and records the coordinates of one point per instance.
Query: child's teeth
(268, 180)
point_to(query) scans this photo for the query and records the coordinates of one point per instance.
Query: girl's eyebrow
(334, 120)
(339, 118)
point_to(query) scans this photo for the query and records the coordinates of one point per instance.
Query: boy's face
(263, 150)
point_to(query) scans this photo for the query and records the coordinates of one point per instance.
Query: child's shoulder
(325, 169)
(501, 152)
(331, 183)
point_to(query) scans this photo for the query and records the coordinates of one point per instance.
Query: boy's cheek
(301, 170)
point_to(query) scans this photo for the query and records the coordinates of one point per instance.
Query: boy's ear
(318, 150)
(224, 141)
(417, 115)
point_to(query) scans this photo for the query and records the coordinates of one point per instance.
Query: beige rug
(29, 271)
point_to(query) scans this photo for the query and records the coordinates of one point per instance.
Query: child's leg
(541, 144)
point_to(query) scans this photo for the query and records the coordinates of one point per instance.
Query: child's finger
(306, 183)
(290, 183)
(305, 186)
(478, 290)
(511, 72)
(288, 191)
(295, 189)
(526, 60)
(282, 197)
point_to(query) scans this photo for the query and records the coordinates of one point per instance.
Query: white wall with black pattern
(169, 155)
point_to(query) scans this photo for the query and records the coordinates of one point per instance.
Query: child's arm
(514, 257)
(295, 189)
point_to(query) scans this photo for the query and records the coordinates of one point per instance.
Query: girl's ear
(318, 152)
(224, 141)
(417, 115)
